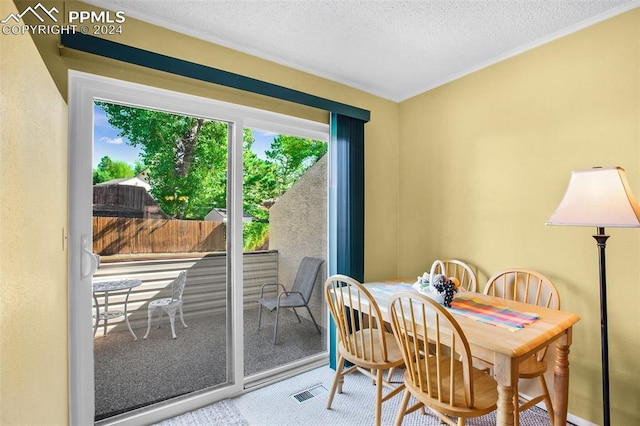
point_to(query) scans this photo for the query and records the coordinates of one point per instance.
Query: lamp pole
(601, 239)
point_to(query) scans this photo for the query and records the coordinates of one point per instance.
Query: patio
(134, 373)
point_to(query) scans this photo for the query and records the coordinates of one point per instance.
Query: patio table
(113, 286)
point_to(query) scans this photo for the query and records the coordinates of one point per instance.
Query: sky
(107, 142)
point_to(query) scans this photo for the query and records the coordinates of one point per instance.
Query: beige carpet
(273, 405)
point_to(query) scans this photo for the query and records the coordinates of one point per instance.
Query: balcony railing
(206, 289)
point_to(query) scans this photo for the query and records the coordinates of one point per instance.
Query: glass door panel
(159, 208)
(285, 219)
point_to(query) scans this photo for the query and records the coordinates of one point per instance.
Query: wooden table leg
(506, 374)
(561, 380)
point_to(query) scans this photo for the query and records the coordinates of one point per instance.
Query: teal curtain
(347, 141)
(346, 205)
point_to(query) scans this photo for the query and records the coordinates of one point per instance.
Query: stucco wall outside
(298, 228)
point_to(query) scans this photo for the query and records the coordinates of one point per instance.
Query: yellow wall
(33, 192)
(472, 169)
(33, 213)
(485, 160)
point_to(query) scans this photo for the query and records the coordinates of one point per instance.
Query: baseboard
(579, 421)
(574, 420)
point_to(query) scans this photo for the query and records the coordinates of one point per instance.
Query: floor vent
(307, 394)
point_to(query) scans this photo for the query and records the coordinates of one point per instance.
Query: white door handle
(89, 262)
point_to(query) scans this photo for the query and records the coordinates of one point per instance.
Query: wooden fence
(118, 235)
(125, 201)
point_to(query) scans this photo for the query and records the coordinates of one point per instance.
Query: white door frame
(84, 89)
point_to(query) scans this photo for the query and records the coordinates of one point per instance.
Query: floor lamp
(599, 197)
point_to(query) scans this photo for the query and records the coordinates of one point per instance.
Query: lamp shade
(597, 197)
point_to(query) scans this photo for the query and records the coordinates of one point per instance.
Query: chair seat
(291, 301)
(531, 368)
(485, 390)
(394, 354)
(164, 302)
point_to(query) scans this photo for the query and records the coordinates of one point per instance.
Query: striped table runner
(491, 314)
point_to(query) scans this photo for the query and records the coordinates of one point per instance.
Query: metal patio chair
(297, 297)
(169, 304)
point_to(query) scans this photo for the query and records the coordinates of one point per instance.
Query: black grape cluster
(446, 288)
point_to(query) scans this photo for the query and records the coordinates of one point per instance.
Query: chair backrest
(306, 276)
(433, 367)
(524, 285)
(177, 285)
(358, 319)
(463, 272)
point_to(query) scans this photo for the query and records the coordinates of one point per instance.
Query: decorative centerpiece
(437, 286)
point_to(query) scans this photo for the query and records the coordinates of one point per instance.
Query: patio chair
(297, 297)
(169, 304)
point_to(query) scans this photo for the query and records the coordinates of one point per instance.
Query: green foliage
(254, 235)
(264, 181)
(186, 157)
(292, 156)
(258, 178)
(108, 169)
(186, 163)
(139, 167)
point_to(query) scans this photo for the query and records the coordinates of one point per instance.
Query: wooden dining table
(505, 348)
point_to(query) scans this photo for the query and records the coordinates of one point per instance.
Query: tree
(266, 180)
(292, 156)
(186, 163)
(108, 169)
(185, 157)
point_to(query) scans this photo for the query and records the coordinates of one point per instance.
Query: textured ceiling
(391, 48)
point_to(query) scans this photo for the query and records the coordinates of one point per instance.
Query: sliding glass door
(285, 220)
(159, 178)
(161, 197)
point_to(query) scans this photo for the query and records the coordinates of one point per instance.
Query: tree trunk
(185, 148)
